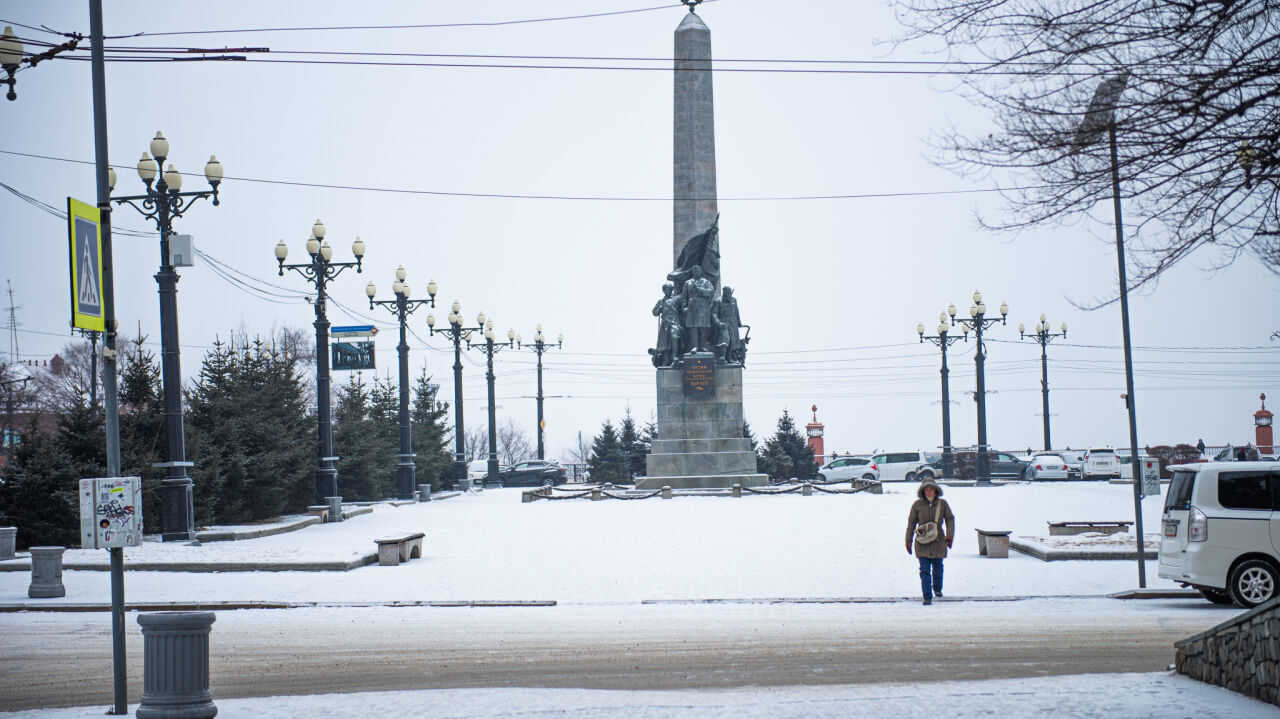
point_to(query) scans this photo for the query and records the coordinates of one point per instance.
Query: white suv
(848, 468)
(898, 466)
(1100, 463)
(1222, 530)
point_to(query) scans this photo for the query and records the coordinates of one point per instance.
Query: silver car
(845, 469)
(1047, 466)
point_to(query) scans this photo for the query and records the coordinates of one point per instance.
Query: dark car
(533, 473)
(1003, 466)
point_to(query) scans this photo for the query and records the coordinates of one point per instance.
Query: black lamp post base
(406, 480)
(177, 509)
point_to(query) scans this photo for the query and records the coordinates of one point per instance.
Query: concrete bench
(394, 550)
(319, 510)
(993, 544)
(1068, 528)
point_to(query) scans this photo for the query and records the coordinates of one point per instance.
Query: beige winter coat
(922, 511)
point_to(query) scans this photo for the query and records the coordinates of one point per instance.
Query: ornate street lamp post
(944, 340)
(540, 345)
(320, 271)
(457, 333)
(1042, 335)
(490, 348)
(402, 307)
(162, 202)
(978, 321)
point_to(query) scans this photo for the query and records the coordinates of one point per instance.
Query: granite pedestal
(700, 442)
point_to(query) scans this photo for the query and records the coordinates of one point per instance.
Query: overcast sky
(832, 288)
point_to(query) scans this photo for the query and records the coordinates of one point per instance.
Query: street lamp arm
(410, 306)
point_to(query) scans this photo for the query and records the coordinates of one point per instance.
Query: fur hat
(928, 482)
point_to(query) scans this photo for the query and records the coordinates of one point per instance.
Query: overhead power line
(343, 28)
(592, 198)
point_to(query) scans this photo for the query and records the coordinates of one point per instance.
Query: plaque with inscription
(699, 375)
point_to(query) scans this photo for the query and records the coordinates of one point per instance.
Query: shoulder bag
(928, 532)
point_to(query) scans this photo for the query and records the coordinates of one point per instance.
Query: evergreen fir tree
(633, 446)
(142, 440)
(365, 440)
(40, 491)
(36, 495)
(607, 462)
(786, 455)
(432, 433)
(252, 444)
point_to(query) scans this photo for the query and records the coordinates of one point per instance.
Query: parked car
(1100, 463)
(534, 473)
(476, 471)
(1074, 461)
(1003, 466)
(899, 466)
(1048, 466)
(848, 468)
(1222, 531)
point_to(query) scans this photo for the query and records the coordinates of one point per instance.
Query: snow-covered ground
(1081, 696)
(490, 546)
(605, 558)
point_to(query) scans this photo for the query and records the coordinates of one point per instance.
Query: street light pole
(319, 272)
(1101, 115)
(943, 340)
(457, 333)
(490, 348)
(163, 202)
(978, 321)
(1044, 336)
(402, 307)
(539, 346)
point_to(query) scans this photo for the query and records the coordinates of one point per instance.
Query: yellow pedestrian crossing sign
(85, 229)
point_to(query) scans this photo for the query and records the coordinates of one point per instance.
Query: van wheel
(1217, 596)
(1252, 582)
(911, 477)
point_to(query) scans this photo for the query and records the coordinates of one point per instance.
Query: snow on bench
(1066, 528)
(394, 550)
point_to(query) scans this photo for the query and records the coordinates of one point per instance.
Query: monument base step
(711, 481)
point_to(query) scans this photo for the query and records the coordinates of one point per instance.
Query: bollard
(527, 496)
(424, 493)
(8, 538)
(666, 493)
(335, 508)
(175, 666)
(46, 573)
(737, 490)
(806, 489)
(596, 496)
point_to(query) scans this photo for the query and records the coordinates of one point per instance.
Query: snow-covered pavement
(611, 563)
(490, 546)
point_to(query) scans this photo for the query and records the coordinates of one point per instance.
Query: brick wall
(1241, 654)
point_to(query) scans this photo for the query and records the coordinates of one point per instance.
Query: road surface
(64, 659)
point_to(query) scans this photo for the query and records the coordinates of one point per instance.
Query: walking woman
(925, 531)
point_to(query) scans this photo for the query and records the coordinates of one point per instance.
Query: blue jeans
(930, 576)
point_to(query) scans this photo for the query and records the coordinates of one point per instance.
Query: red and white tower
(1262, 428)
(813, 431)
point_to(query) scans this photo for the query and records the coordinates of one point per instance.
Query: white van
(899, 466)
(1222, 530)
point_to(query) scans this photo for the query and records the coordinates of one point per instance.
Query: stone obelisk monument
(695, 134)
(699, 357)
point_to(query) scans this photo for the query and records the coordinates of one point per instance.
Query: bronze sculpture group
(690, 317)
(693, 320)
